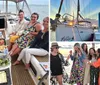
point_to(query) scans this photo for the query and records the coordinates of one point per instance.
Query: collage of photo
(49, 42)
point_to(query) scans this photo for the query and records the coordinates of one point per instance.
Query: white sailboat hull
(70, 33)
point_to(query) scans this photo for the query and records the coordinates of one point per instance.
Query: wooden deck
(20, 76)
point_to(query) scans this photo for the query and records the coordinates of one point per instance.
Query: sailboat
(38, 73)
(72, 30)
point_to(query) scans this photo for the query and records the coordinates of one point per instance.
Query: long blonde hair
(79, 47)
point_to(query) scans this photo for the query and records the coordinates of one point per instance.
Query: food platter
(4, 62)
(5, 65)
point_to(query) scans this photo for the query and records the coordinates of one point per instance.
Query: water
(42, 10)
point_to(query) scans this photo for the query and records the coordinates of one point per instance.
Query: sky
(44, 2)
(88, 8)
(38, 2)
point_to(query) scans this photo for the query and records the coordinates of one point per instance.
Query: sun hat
(55, 44)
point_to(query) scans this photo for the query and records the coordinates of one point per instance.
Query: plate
(4, 63)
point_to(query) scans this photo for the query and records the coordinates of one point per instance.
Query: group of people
(84, 70)
(86, 65)
(30, 38)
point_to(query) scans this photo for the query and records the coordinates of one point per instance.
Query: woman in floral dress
(77, 71)
(28, 34)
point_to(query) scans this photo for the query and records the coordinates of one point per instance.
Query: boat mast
(27, 6)
(60, 6)
(78, 10)
(6, 6)
(3, 5)
(58, 14)
(78, 14)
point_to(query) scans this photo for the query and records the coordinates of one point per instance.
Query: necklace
(42, 35)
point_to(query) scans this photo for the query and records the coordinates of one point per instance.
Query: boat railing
(84, 24)
(67, 19)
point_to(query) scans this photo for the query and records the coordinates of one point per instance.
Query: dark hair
(35, 14)
(90, 56)
(4, 41)
(20, 11)
(98, 50)
(82, 46)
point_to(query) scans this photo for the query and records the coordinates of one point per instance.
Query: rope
(79, 33)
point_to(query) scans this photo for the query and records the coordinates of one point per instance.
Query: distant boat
(72, 30)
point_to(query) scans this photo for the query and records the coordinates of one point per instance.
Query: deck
(20, 76)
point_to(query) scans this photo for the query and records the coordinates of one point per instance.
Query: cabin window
(2, 23)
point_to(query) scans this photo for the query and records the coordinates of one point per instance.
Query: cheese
(3, 77)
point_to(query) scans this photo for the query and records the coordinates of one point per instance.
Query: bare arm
(38, 27)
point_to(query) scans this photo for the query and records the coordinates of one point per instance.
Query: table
(7, 69)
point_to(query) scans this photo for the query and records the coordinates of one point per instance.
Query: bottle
(1, 36)
(6, 51)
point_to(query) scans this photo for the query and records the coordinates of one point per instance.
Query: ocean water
(42, 10)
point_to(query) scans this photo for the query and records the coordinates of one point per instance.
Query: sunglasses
(56, 47)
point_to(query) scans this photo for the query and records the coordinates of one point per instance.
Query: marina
(67, 27)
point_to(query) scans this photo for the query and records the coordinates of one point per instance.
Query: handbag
(13, 38)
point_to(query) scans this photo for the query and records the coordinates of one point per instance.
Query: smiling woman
(73, 52)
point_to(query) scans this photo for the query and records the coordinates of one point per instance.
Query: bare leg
(14, 47)
(59, 78)
(10, 46)
(21, 55)
(27, 66)
(16, 51)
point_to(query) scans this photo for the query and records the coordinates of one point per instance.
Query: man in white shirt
(19, 28)
(21, 24)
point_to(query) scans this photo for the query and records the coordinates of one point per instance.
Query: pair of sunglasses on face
(56, 47)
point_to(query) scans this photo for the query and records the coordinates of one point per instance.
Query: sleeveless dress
(77, 73)
(25, 39)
